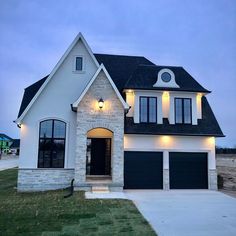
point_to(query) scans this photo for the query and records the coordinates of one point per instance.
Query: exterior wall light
(100, 103)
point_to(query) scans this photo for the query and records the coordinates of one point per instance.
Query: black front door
(98, 156)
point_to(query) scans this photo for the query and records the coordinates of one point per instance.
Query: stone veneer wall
(43, 179)
(212, 180)
(111, 117)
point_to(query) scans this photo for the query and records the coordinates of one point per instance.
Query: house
(5, 143)
(118, 122)
(15, 147)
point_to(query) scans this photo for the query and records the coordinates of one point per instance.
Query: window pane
(59, 129)
(178, 110)
(58, 153)
(51, 149)
(187, 111)
(79, 61)
(143, 109)
(152, 110)
(45, 147)
(46, 129)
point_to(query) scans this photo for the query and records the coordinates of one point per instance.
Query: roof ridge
(119, 55)
(154, 65)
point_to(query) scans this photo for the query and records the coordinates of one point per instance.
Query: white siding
(54, 102)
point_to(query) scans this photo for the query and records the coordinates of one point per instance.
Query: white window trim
(191, 95)
(83, 64)
(140, 93)
(160, 83)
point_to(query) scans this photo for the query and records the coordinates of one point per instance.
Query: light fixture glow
(100, 103)
(166, 94)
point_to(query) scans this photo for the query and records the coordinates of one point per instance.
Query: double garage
(144, 170)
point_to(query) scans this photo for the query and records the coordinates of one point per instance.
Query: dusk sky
(198, 35)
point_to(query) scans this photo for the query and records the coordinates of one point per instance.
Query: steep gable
(63, 71)
(119, 67)
(100, 70)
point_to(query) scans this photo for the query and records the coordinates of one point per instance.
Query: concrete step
(100, 189)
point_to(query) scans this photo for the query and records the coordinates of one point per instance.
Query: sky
(198, 35)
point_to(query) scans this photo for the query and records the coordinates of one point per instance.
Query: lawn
(48, 213)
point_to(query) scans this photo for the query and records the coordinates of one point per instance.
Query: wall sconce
(100, 103)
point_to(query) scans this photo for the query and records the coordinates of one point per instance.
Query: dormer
(166, 79)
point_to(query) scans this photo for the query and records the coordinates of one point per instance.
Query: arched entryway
(98, 154)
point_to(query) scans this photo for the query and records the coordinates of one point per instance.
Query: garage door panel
(143, 170)
(188, 170)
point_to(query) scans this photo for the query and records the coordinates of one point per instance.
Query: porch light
(100, 103)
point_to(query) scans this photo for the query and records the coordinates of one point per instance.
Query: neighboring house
(15, 147)
(5, 143)
(116, 121)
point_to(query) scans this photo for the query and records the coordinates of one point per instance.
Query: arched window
(52, 137)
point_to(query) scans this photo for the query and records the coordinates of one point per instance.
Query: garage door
(143, 170)
(188, 170)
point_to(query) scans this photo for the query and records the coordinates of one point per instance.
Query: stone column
(212, 177)
(118, 159)
(212, 173)
(80, 159)
(166, 176)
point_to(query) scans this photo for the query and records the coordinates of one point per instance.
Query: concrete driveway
(187, 212)
(9, 162)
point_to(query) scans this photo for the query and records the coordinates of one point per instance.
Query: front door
(98, 156)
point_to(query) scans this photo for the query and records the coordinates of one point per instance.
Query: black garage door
(188, 170)
(143, 170)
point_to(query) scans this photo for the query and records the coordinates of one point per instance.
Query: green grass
(48, 213)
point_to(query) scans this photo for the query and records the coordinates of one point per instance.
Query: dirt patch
(226, 170)
(230, 193)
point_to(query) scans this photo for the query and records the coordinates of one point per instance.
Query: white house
(116, 121)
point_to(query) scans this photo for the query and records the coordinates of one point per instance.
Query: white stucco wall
(165, 104)
(63, 89)
(172, 144)
(130, 99)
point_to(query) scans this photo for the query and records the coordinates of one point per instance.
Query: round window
(166, 77)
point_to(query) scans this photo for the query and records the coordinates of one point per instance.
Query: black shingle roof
(207, 126)
(121, 67)
(145, 76)
(29, 94)
(134, 72)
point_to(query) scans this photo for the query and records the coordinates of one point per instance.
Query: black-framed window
(52, 138)
(183, 111)
(148, 109)
(79, 63)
